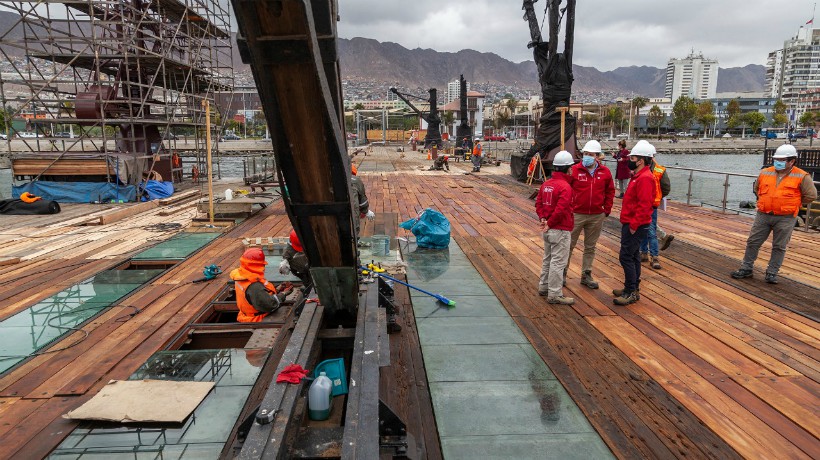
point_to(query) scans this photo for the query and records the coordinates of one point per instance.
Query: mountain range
(363, 58)
(368, 59)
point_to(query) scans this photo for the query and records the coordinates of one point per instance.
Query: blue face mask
(588, 161)
(779, 165)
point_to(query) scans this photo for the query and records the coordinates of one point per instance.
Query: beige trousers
(556, 253)
(591, 224)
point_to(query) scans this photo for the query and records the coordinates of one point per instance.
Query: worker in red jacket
(593, 192)
(636, 215)
(553, 204)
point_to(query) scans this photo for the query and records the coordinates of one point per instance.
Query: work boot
(626, 298)
(586, 280)
(561, 300)
(666, 241)
(771, 278)
(644, 257)
(620, 293)
(741, 273)
(543, 293)
(656, 262)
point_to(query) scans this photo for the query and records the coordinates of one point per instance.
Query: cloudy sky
(608, 33)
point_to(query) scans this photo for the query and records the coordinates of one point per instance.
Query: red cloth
(293, 373)
(592, 194)
(622, 171)
(554, 202)
(636, 209)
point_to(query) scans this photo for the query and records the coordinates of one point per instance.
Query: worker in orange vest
(649, 245)
(256, 297)
(781, 189)
(476, 157)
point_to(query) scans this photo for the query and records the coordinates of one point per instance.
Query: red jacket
(592, 194)
(636, 208)
(554, 202)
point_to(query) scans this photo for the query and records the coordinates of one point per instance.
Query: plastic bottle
(229, 194)
(319, 397)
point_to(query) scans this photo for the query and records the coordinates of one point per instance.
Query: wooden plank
(129, 211)
(713, 407)
(5, 260)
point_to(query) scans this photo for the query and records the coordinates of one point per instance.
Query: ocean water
(707, 189)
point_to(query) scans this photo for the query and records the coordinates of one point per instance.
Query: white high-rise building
(453, 89)
(793, 69)
(694, 76)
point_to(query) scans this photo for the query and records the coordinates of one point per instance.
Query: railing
(703, 180)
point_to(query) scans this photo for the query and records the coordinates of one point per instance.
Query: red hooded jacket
(554, 202)
(592, 193)
(636, 209)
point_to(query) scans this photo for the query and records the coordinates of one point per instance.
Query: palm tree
(589, 119)
(639, 103)
(613, 116)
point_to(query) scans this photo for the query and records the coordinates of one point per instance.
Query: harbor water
(707, 189)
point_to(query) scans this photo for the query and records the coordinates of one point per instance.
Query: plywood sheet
(129, 401)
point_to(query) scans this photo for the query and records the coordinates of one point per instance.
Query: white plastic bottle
(319, 397)
(228, 194)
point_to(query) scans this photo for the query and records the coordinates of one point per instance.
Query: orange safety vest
(248, 314)
(658, 171)
(477, 150)
(783, 199)
(531, 167)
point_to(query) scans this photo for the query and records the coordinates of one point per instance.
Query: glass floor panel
(178, 247)
(34, 328)
(202, 435)
(490, 389)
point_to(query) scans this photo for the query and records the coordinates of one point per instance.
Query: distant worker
(476, 156)
(636, 216)
(649, 245)
(622, 172)
(553, 204)
(781, 189)
(359, 198)
(441, 163)
(295, 261)
(593, 193)
(255, 296)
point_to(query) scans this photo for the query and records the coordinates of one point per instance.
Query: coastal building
(793, 69)
(475, 111)
(376, 104)
(694, 76)
(453, 89)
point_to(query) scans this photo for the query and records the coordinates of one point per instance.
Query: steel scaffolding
(106, 89)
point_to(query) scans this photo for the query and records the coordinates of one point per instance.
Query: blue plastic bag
(154, 190)
(431, 228)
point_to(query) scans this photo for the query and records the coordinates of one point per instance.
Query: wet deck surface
(702, 366)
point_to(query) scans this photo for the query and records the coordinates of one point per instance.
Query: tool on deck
(210, 272)
(439, 297)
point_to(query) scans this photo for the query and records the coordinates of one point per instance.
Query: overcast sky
(608, 33)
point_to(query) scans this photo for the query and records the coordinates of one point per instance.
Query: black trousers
(630, 256)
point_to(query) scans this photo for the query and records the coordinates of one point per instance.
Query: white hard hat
(785, 151)
(592, 146)
(478, 138)
(643, 149)
(563, 158)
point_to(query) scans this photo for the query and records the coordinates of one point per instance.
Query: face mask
(779, 165)
(588, 161)
(633, 165)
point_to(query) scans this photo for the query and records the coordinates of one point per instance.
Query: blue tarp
(77, 192)
(431, 228)
(155, 190)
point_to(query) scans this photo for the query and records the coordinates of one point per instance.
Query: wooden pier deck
(703, 366)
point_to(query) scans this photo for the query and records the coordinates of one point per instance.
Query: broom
(439, 297)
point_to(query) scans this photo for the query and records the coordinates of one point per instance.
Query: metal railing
(723, 205)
